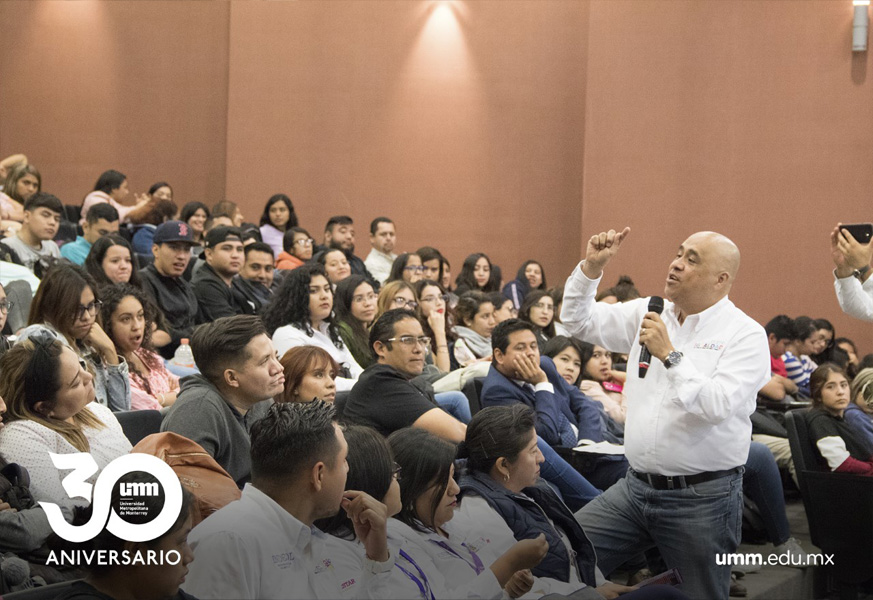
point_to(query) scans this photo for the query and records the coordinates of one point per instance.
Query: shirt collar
(299, 534)
(701, 319)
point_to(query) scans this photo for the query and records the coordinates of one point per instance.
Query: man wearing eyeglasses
(387, 396)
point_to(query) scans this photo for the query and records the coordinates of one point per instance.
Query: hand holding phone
(851, 247)
(862, 232)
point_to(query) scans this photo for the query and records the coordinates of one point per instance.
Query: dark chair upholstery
(473, 391)
(45, 592)
(839, 508)
(138, 424)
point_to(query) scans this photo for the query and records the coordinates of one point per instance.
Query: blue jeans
(762, 483)
(180, 371)
(456, 404)
(689, 526)
(574, 488)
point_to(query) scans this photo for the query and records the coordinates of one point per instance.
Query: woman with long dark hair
(355, 308)
(195, 215)
(297, 247)
(130, 321)
(436, 321)
(475, 275)
(278, 217)
(112, 187)
(406, 267)
(67, 306)
(475, 314)
(301, 314)
(538, 309)
(111, 260)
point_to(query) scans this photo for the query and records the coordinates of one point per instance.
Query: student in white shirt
(470, 569)
(301, 314)
(381, 258)
(265, 545)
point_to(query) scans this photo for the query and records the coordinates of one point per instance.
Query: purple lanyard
(423, 584)
(476, 565)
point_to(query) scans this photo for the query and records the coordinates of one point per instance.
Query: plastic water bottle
(183, 356)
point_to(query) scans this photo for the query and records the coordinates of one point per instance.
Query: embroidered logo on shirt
(324, 566)
(284, 560)
(349, 583)
(717, 345)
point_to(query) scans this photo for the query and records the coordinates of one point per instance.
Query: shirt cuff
(544, 387)
(582, 279)
(375, 567)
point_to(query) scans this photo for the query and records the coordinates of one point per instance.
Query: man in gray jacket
(240, 374)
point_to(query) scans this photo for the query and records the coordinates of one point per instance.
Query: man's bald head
(702, 272)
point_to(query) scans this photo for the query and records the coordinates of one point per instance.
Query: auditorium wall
(519, 128)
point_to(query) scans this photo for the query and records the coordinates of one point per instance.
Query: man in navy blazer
(564, 414)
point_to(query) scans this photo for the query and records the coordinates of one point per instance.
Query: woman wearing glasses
(355, 307)
(297, 245)
(301, 314)
(396, 294)
(407, 267)
(538, 309)
(51, 408)
(436, 321)
(66, 305)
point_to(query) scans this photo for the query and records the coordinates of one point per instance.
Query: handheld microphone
(656, 305)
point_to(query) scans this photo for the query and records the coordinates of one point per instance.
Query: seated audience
(519, 375)
(859, 412)
(214, 286)
(622, 291)
(406, 267)
(446, 278)
(475, 314)
(436, 322)
(826, 349)
(538, 309)
(530, 276)
(407, 400)
(163, 282)
(136, 581)
(339, 234)
(598, 380)
(159, 209)
(851, 351)
(227, 210)
(388, 396)
(475, 275)
(335, 264)
(195, 214)
(299, 475)
(503, 307)
(278, 218)
(432, 261)
(20, 183)
(423, 523)
(255, 281)
(381, 257)
(355, 309)
(310, 374)
(51, 409)
(66, 305)
(101, 220)
(798, 365)
(130, 323)
(301, 314)
(501, 493)
(297, 249)
(240, 374)
(112, 187)
(32, 247)
(396, 294)
(839, 447)
(780, 334)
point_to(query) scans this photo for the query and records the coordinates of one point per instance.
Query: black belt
(672, 482)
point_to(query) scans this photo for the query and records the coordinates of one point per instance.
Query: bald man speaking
(688, 431)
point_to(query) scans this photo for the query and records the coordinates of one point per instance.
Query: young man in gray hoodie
(240, 374)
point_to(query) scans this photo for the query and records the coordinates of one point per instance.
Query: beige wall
(518, 128)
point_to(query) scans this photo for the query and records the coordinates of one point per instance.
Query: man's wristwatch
(673, 359)
(859, 273)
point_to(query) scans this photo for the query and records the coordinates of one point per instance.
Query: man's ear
(499, 356)
(316, 475)
(230, 378)
(208, 253)
(379, 348)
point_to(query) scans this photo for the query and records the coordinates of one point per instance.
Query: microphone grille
(656, 304)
